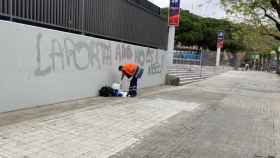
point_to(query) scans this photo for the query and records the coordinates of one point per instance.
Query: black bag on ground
(106, 92)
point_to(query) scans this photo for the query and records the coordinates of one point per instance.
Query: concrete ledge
(172, 80)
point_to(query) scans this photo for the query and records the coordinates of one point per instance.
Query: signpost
(220, 45)
(174, 13)
(173, 21)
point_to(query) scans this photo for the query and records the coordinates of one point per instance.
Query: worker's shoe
(132, 94)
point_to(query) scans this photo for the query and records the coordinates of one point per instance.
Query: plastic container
(116, 86)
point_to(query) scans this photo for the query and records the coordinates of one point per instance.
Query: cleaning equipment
(117, 92)
(122, 89)
(124, 94)
(116, 86)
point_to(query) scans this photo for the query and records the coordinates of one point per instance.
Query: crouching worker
(131, 71)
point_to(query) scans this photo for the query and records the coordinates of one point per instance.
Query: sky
(206, 8)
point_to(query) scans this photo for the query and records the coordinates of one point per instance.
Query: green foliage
(264, 15)
(239, 37)
(202, 32)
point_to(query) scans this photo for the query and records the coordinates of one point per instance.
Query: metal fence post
(11, 10)
(83, 17)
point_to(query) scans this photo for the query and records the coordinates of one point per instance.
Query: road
(236, 114)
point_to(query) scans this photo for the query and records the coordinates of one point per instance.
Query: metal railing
(137, 22)
(192, 60)
(187, 57)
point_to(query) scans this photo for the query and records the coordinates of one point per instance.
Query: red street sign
(220, 41)
(174, 13)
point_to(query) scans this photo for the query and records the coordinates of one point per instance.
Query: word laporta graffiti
(94, 53)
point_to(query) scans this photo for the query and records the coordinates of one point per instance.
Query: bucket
(116, 86)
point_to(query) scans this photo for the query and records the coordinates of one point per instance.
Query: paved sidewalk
(244, 122)
(236, 114)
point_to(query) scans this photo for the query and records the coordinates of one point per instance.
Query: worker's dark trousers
(133, 87)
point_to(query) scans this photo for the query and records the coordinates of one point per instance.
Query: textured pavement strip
(244, 123)
(87, 132)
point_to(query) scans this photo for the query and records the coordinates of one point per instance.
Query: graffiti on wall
(93, 54)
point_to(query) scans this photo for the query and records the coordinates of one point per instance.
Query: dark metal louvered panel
(5, 7)
(134, 21)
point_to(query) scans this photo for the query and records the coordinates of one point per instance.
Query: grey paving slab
(240, 119)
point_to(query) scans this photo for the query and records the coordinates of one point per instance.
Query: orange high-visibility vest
(129, 69)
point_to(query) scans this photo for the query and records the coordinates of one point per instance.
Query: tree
(263, 14)
(190, 31)
(255, 42)
(240, 38)
(202, 32)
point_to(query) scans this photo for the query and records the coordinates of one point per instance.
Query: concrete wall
(41, 66)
